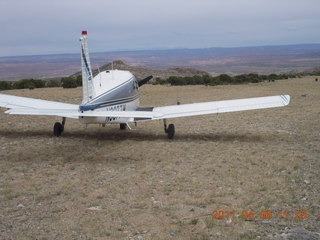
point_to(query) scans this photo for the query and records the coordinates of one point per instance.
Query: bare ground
(103, 183)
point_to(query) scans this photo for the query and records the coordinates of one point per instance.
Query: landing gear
(59, 127)
(169, 130)
(123, 126)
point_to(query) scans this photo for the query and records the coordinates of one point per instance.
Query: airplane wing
(31, 104)
(194, 109)
(156, 113)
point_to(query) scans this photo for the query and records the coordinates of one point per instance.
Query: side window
(135, 84)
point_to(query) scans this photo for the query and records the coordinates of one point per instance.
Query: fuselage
(114, 90)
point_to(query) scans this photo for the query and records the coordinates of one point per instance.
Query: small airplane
(113, 97)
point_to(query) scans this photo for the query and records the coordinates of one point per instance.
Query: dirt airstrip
(259, 170)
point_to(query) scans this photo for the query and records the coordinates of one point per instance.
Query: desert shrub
(79, 80)
(38, 83)
(224, 78)
(4, 85)
(272, 77)
(53, 83)
(199, 80)
(29, 83)
(68, 82)
(218, 80)
(160, 81)
(254, 78)
(206, 79)
(177, 81)
(215, 81)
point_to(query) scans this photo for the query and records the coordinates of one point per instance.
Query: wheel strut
(165, 125)
(63, 121)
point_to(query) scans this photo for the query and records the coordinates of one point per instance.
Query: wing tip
(285, 99)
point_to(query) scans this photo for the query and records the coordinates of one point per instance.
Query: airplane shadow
(119, 136)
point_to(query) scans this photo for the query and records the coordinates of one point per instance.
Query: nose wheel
(59, 127)
(170, 130)
(123, 126)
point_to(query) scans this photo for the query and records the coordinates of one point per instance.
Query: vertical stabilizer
(88, 91)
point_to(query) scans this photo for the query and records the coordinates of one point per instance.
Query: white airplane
(113, 97)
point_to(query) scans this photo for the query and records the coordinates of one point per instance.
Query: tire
(57, 129)
(170, 131)
(123, 126)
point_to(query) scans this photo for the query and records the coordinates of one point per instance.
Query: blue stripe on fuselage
(107, 104)
(124, 93)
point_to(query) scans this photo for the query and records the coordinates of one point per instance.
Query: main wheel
(123, 126)
(170, 131)
(57, 129)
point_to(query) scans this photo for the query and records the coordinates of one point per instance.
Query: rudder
(87, 76)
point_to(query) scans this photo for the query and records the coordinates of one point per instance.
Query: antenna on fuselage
(99, 73)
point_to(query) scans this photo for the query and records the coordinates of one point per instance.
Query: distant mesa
(313, 71)
(141, 71)
(174, 62)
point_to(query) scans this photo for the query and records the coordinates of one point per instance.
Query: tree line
(71, 82)
(220, 80)
(66, 82)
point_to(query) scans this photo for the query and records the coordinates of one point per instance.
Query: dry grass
(102, 183)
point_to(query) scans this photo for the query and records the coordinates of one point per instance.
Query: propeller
(144, 81)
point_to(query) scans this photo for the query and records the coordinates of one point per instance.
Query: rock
(173, 234)
(229, 221)
(20, 205)
(306, 181)
(266, 222)
(156, 202)
(95, 208)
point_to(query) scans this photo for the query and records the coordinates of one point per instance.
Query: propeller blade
(144, 81)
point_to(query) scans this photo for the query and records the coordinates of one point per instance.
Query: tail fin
(88, 90)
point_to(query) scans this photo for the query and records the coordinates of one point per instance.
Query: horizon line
(160, 49)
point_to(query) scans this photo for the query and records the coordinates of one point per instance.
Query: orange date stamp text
(251, 215)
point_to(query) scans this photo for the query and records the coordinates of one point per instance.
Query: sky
(36, 27)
